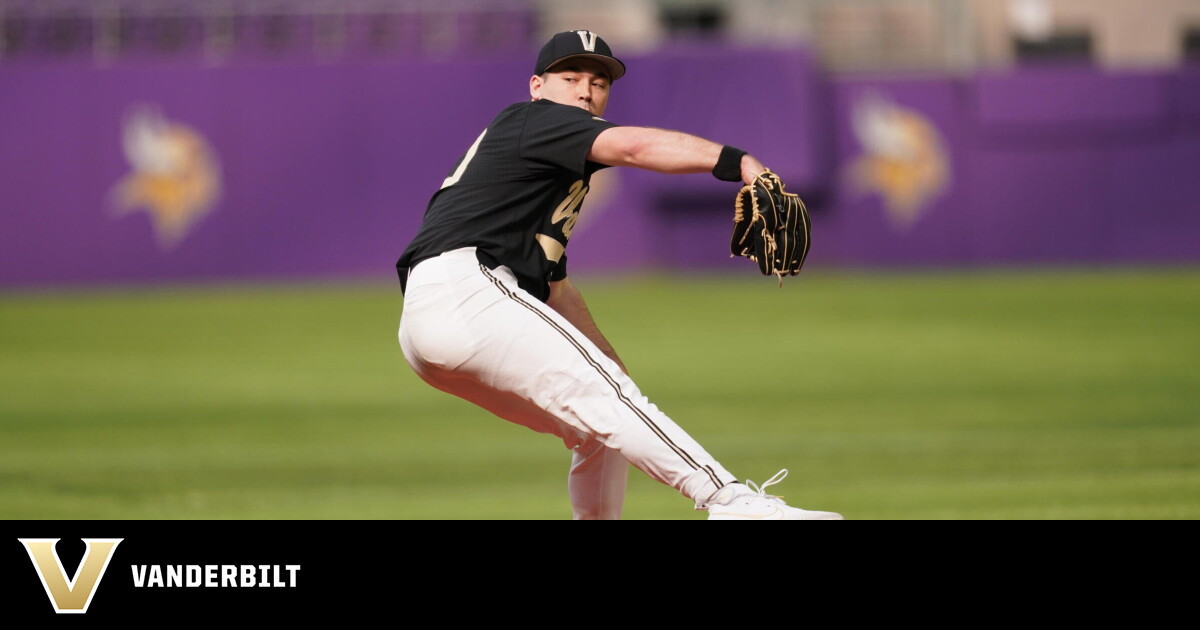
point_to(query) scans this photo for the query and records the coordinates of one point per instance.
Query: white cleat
(730, 505)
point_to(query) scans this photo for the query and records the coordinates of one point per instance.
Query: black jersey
(515, 195)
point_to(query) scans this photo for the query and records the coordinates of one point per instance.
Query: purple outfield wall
(325, 169)
(1057, 166)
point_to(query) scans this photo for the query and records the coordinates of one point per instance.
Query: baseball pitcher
(490, 314)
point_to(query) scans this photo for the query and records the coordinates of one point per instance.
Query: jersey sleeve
(559, 136)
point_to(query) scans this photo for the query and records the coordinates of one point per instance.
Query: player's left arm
(568, 302)
(664, 151)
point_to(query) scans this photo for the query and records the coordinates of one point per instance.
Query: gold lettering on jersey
(589, 40)
(569, 208)
(566, 213)
(552, 248)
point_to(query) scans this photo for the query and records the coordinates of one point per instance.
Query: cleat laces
(762, 491)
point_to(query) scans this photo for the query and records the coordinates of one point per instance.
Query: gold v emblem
(70, 595)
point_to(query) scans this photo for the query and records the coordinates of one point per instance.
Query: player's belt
(405, 273)
(486, 259)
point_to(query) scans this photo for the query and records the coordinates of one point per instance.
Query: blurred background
(202, 201)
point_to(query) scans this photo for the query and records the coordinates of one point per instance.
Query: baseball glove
(770, 227)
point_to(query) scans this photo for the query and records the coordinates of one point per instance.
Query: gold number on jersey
(462, 166)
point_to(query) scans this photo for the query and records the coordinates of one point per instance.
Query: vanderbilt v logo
(589, 40)
(74, 595)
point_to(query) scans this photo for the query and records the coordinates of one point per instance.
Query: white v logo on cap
(589, 40)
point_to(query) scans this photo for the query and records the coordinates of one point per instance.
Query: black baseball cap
(573, 44)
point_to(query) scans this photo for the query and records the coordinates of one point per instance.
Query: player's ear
(535, 87)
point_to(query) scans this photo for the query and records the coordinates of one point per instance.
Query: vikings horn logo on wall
(175, 178)
(904, 159)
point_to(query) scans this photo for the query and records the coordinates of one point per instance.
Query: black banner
(245, 570)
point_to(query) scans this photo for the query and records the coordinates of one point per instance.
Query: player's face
(579, 83)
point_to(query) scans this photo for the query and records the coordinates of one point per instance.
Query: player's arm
(568, 302)
(663, 151)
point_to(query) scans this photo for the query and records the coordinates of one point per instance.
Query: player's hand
(751, 169)
(771, 227)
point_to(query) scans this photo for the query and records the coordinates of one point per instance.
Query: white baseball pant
(472, 332)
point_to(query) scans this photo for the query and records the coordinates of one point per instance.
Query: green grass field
(1064, 394)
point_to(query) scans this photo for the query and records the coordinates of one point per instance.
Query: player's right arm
(568, 302)
(663, 151)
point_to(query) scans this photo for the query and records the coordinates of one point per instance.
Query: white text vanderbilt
(215, 575)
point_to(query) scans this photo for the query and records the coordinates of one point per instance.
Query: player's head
(576, 68)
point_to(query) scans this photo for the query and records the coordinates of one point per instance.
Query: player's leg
(472, 332)
(597, 481)
(598, 474)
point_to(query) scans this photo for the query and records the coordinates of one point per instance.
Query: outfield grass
(1068, 394)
